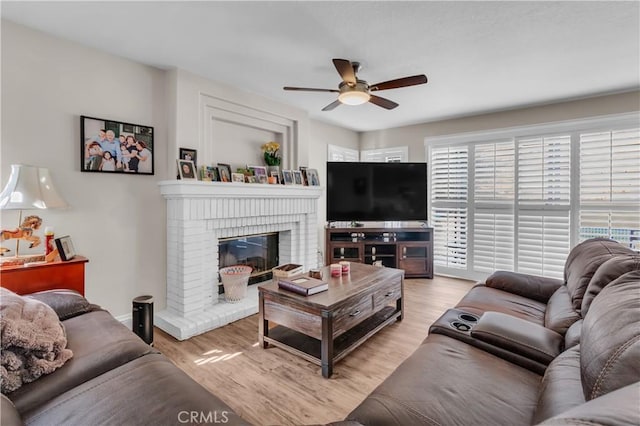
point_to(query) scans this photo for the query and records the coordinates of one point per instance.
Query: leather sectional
(520, 350)
(113, 378)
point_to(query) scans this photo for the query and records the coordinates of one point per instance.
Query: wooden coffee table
(325, 327)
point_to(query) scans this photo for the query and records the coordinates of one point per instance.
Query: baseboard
(126, 320)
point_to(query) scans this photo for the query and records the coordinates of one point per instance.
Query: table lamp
(29, 187)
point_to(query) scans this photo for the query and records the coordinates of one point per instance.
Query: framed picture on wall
(111, 146)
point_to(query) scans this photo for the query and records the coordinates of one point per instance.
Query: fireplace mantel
(199, 214)
(198, 189)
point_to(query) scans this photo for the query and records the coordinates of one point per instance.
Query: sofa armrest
(9, 415)
(531, 286)
(519, 336)
(66, 303)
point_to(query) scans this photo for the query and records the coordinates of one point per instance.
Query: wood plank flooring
(272, 387)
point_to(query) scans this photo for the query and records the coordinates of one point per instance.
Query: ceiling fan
(353, 91)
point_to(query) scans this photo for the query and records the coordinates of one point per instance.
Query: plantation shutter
(449, 186)
(386, 155)
(543, 205)
(610, 186)
(493, 235)
(338, 153)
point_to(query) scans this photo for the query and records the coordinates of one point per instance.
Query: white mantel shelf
(198, 189)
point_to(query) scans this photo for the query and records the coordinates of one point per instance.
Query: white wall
(413, 136)
(117, 221)
(321, 135)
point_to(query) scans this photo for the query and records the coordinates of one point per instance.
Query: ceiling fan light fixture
(353, 95)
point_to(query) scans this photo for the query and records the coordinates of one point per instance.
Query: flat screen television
(376, 191)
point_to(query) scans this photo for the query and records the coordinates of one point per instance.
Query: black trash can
(142, 321)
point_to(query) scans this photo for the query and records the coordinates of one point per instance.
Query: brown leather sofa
(530, 351)
(113, 378)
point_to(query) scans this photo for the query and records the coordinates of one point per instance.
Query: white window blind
(493, 235)
(386, 155)
(519, 199)
(449, 186)
(610, 186)
(338, 153)
(543, 205)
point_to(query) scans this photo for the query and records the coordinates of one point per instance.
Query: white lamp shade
(30, 187)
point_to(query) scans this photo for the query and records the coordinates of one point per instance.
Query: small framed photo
(212, 172)
(259, 171)
(276, 176)
(225, 172)
(189, 155)
(251, 179)
(65, 248)
(187, 170)
(287, 176)
(312, 177)
(303, 171)
(297, 177)
(237, 177)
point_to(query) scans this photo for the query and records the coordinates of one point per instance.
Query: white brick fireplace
(198, 215)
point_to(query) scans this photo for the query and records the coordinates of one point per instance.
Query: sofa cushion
(560, 313)
(484, 299)
(99, 343)
(618, 408)
(607, 272)
(561, 387)
(147, 391)
(610, 342)
(446, 381)
(583, 261)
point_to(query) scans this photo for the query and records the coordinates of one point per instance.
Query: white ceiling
(478, 56)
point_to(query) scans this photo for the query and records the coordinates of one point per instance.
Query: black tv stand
(408, 248)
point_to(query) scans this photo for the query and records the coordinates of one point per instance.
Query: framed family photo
(187, 170)
(287, 176)
(237, 177)
(312, 177)
(65, 248)
(189, 155)
(111, 146)
(225, 172)
(297, 177)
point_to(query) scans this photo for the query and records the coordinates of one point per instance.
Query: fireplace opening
(258, 251)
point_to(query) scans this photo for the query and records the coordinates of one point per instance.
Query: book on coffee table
(303, 285)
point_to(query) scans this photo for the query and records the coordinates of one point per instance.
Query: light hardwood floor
(273, 387)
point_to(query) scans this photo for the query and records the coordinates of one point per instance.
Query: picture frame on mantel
(110, 146)
(189, 155)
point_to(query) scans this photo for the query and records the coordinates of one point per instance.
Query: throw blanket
(33, 340)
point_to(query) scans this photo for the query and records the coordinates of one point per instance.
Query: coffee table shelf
(310, 348)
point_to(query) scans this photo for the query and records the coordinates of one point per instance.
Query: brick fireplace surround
(200, 213)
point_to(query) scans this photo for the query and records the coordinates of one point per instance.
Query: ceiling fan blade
(382, 102)
(332, 105)
(345, 69)
(400, 82)
(309, 89)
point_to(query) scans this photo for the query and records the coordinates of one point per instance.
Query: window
(386, 155)
(610, 186)
(449, 182)
(519, 199)
(338, 153)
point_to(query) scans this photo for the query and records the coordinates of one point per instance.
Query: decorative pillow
(66, 303)
(33, 340)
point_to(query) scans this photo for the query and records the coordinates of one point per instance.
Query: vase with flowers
(271, 152)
